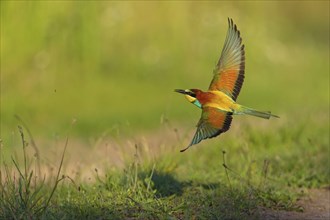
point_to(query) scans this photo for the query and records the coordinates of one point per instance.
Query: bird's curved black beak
(182, 91)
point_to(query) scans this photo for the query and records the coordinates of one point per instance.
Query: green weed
(24, 194)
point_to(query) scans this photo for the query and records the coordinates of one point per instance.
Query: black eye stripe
(192, 94)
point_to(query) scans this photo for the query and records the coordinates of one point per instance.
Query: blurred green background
(114, 65)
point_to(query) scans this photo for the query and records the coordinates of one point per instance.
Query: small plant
(263, 193)
(23, 195)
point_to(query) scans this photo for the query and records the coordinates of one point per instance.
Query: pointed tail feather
(260, 114)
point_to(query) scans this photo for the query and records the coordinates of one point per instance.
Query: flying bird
(218, 104)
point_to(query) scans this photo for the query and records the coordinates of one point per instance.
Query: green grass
(24, 194)
(259, 169)
(113, 66)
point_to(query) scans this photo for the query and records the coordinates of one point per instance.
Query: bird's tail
(260, 114)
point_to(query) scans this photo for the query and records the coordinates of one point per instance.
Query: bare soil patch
(316, 206)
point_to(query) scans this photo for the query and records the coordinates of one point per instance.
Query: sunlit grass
(25, 193)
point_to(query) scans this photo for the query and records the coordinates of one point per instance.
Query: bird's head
(191, 95)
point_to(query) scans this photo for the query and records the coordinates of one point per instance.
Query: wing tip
(230, 20)
(232, 25)
(183, 150)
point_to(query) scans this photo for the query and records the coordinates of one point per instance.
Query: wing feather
(212, 123)
(229, 71)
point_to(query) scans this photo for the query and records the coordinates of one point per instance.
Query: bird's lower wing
(212, 123)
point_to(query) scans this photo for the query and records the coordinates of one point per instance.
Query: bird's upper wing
(229, 71)
(212, 123)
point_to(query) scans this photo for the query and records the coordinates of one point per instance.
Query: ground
(316, 206)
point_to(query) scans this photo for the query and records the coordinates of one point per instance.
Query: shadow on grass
(190, 200)
(166, 184)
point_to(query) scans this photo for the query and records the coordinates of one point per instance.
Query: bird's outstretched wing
(212, 123)
(229, 71)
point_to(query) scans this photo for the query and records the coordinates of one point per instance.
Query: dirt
(316, 206)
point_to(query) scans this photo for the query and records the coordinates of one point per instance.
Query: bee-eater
(218, 104)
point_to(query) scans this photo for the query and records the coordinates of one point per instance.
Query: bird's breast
(217, 99)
